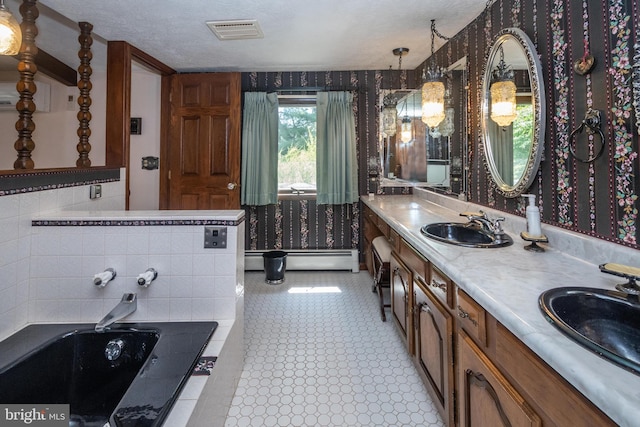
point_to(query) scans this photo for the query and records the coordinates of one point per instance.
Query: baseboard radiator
(301, 259)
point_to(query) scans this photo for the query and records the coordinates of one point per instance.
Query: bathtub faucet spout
(125, 307)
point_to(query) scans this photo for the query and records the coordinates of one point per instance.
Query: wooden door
(486, 397)
(434, 348)
(203, 141)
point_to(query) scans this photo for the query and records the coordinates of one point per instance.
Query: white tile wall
(20, 257)
(193, 283)
(46, 273)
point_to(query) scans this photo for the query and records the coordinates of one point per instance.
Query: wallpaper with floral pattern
(598, 198)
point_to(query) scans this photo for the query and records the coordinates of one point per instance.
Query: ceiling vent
(236, 30)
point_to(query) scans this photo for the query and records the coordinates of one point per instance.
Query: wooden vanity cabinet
(499, 378)
(433, 332)
(478, 373)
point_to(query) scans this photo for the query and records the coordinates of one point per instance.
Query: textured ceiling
(299, 35)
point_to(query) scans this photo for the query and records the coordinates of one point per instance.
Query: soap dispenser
(534, 228)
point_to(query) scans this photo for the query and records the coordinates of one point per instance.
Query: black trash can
(275, 263)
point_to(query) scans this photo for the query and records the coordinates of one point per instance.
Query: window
(297, 145)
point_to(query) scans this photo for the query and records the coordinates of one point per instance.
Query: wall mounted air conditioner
(9, 96)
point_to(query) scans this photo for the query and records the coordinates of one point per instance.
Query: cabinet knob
(438, 285)
(464, 315)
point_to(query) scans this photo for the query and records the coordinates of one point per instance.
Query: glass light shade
(389, 120)
(503, 102)
(405, 129)
(10, 33)
(447, 127)
(433, 103)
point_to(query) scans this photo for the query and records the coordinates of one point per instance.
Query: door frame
(120, 56)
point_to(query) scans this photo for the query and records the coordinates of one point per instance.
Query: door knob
(231, 186)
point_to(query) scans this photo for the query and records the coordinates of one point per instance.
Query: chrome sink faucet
(127, 305)
(494, 227)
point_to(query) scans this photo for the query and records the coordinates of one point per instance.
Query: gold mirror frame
(538, 100)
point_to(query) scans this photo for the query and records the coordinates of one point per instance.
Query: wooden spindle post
(84, 100)
(25, 126)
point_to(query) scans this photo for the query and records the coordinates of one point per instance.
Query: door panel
(400, 299)
(487, 399)
(434, 348)
(204, 141)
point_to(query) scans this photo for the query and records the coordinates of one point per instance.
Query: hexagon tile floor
(318, 354)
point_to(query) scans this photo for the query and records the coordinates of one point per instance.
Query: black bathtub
(70, 364)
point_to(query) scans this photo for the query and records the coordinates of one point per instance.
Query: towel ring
(591, 124)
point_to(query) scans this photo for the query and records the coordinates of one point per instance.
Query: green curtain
(502, 150)
(260, 149)
(336, 162)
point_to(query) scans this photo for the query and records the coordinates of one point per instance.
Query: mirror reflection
(416, 155)
(512, 112)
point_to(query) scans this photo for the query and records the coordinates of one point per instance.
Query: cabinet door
(434, 348)
(486, 398)
(400, 280)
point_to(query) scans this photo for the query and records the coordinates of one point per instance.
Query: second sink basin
(464, 234)
(605, 322)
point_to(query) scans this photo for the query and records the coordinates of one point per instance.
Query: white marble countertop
(507, 283)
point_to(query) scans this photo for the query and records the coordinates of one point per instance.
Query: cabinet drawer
(383, 226)
(441, 287)
(414, 261)
(394, 239)
(561, 403)
(471, 317)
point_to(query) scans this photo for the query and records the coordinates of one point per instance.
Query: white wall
(144, 184)
(55, 133)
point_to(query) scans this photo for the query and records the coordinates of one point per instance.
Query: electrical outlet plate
(215, 237)
(95, 191)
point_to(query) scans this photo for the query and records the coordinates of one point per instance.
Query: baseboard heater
(301, 259)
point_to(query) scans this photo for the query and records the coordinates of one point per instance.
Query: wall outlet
(71, 103)
(95, 191)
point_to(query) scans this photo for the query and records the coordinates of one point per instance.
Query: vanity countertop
(507, 283)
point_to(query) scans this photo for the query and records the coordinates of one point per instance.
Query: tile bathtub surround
(16, 212)
(324, 359)
(193, 283)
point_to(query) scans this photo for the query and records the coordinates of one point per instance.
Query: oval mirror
(512, 112)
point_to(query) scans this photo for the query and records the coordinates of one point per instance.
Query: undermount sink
(605, 322)
(464, 234)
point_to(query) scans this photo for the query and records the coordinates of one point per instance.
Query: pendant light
(405, 129)
(503, 94)
(10, 33)
(389, 116)
(433, 89)
(405, 126)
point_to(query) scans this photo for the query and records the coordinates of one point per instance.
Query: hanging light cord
(434, 72)
(435, 32)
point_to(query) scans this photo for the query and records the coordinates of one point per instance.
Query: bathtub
(129, 375)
